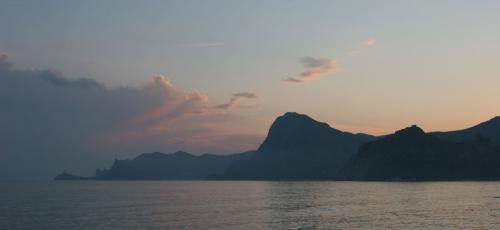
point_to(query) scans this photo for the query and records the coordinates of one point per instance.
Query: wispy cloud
(292, 80)
(203, 44)
(12, 2)
(246, 95)
(235, 100)
(314, 68)
(368, 43)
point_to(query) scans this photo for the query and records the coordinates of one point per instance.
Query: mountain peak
(291, 114)
(293, 122)
(299, 132)
(495, 119)
(413, 130)
(67, 176)
(295, 116)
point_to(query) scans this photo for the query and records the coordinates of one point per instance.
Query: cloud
(5, 3)
(4, 64)
(368, 43)
(314, 68)
(317, 66)
(57, 79)
(235, 100)
(3, 56)
(50, 122)
(292, 80)
(203, 44)
(246, 95)
(174, 102)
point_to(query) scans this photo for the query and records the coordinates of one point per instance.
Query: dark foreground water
(248, 205)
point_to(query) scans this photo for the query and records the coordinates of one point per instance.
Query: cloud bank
(50, 123)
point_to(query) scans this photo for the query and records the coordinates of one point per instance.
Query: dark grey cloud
(4, 64)
(58, 80)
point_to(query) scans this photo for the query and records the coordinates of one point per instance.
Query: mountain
(412, 154)
(297, 148)
(160, 166)
(67, 176)
(176, 166)
(488, 129)
(298, 133)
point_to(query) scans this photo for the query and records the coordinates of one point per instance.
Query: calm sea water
(248, 205)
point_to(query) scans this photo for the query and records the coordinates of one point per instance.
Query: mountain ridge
(489, 129)
(412, 154)
(297, 147)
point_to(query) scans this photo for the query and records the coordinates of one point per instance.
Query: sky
(84, 82)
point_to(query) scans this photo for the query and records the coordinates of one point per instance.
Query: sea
(248, 205)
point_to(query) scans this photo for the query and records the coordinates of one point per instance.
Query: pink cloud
(235, 100)
(76, 122)
(317, 66)
(369, 43)
(179, 111)
(314, 68)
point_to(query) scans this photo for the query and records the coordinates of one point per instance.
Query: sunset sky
(84, 82)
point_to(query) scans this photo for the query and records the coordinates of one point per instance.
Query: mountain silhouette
(298, 133)
(412, 154)
(160, 166)
(489, 129)
(298, 148)
(67, 176)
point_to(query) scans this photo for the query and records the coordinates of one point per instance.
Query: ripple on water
(248, 205)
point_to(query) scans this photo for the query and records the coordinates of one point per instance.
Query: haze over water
(248, 205)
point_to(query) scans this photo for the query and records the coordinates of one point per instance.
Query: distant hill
(298, 148)
(160, 166)
(411, 154)
(67, 176)
(488, 129)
